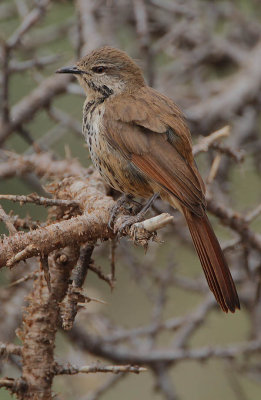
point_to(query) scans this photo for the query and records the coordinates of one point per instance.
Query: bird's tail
(213, 261)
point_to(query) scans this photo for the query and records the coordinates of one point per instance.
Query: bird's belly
(116, 170)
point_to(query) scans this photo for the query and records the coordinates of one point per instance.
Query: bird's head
(107, 70)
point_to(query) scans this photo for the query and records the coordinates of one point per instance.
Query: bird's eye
(98, 70)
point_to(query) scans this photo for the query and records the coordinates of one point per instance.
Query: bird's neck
(98, 93)
(103, 92)
(95, 96)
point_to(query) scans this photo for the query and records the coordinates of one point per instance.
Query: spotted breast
(113, 167)
(92, 120)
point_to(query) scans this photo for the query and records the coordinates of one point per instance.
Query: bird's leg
(125, 198)
(147, 205)
(130, 220)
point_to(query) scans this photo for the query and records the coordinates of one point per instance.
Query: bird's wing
(149, 130)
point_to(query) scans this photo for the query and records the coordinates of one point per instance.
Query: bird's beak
(70, 70)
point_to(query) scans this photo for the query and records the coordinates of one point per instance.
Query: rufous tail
(213, 261)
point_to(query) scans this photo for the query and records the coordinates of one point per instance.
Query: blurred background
(206, 56)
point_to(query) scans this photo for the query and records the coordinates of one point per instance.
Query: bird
(140, 143)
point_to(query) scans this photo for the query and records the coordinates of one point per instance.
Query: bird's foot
(125, 201)
(128, 220)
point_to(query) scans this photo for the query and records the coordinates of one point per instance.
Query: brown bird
(141, 145)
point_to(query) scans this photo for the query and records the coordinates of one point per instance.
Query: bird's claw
(127, 221)
(125, 199)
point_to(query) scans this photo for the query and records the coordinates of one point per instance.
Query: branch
(39, 98)
(141, 232)
(205, 143)
(74, 294)
(253, 214)
(243, 88)
(31, 19)
(40, 323)
(98, 271)
(37, 62)
(152, 224)
(25, 278)
(14, 385)
(42, 164)
(235, 154)
(235, 221)
(41, 201)
(5, 218)
(89, 25)
(90, 226)
(65, 120)
(122, 354)
(115, 369)
(90, 194)
(7, 349)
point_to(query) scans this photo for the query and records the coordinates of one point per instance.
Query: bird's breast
(116, 170)
(92, 127)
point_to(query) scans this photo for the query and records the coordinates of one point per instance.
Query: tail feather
(210, 276)
(213, 261)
